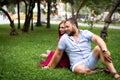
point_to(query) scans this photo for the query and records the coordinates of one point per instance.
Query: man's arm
(103, 47)
(99, 42)
(56, 58)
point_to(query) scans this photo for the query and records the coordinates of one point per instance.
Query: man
(77, 44)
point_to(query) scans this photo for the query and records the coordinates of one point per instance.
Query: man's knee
(81, 69)
(97, 51)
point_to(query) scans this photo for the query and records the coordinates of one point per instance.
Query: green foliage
(11, 8)
(99, 6)
(22, 8)
(20, 55)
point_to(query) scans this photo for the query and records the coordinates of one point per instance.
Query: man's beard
(72, 33)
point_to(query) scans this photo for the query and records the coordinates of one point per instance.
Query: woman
(64, 62)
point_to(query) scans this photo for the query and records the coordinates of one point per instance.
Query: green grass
(20, 55)
(112, 24)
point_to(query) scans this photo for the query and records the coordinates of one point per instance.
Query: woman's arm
(55, 59)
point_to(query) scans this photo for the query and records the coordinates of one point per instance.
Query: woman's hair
(62, 22)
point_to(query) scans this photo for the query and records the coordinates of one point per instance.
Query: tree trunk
(65, 10)
(48, 15)
(32, 22)
(26, 5)
(18, 8)
(107, 20)
(81, 5)
(73, 15)
(13, 30)
(28, 16)
(38, 24)
(27, 23)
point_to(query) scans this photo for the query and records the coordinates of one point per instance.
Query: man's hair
(73, 21)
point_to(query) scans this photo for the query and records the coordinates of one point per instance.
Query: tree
(12, 25)
(48, 13)
(13, 29)
(72, 2)
(107, 20)
(29, 16)
(38, 14)
(18, 8)
(100, 6)
(74, 6)
(105, 4)
(81, 5)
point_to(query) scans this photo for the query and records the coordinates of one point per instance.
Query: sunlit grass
(20, 55)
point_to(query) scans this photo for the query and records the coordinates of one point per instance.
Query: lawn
(20, 55)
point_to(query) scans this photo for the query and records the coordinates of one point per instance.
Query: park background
(20, 52)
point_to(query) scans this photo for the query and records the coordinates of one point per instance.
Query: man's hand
(107, 56)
